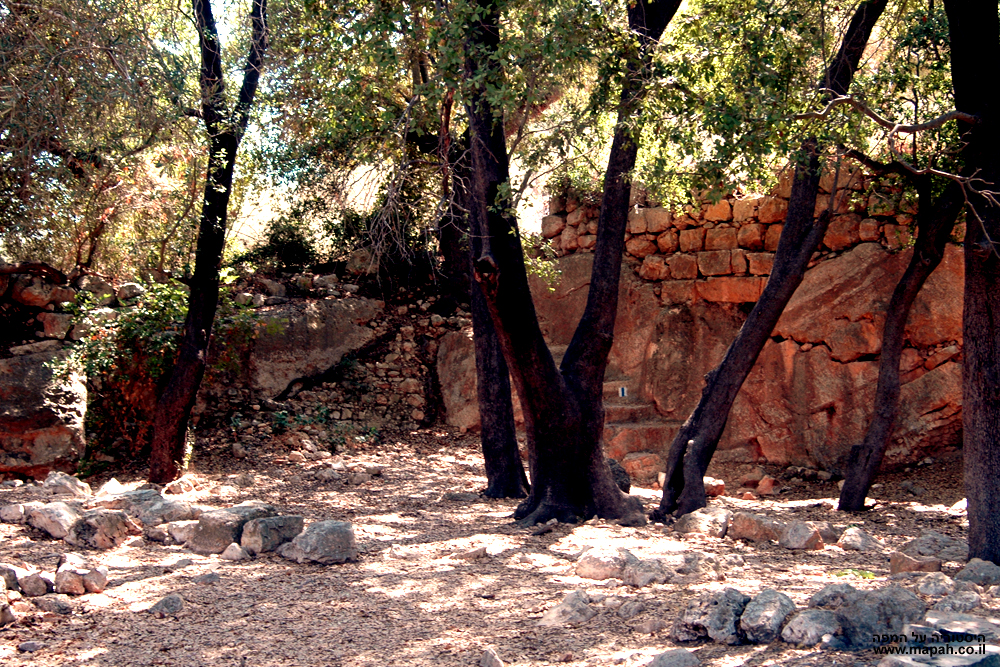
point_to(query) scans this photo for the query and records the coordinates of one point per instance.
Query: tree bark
(173, 409)
(563, 409)
(975, 43)
(695, 444)
(935, 219)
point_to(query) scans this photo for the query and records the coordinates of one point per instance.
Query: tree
(975, 41)
(563, 409)
(695, 443)
(225, 131)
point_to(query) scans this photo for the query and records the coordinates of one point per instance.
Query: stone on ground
(324, 542)
(167, 606)
(6, 614)
(932, 544)
(855, 539)
(149, 506)
(714, 615)
(61, 484)
(754, 527)
(234, 552)
(269, 533)
(56, 519)
(900, 562)
(710, 521)
(490, 659)
(36, 584)
(959, 602)
(640, 573)
(800, 535)
(884, 611)
(54, 604)
(980, 572)
(677, 657)
(764, 616)
(809, 626)
(181, 531)
(8, 574)
(831, 596)
(218, 529)
(102, 529)
(573, 611)
(603, 563)
(936, 584)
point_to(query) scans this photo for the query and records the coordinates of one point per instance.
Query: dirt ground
(411, 601)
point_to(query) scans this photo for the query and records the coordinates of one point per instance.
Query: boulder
(714, 615)
(932, 544)
(267, 534)
(167, 606)
(936, 584)
(573, 611)
(710, 521)
(8, 575)
(866, 614)
(218, 529)
(959, 602)
(801, 535)
(754, 527)
(149, 506)
(765, 615)
(675, 657)
(980, 572)
(900, 562)
(102, 529)
(603, 563)
(855, 539)
(323, 542)
(639, 573)
(55, 518)
(60, 484)
(36, 584)
(809, 626)
(831, 596)
(41, 415)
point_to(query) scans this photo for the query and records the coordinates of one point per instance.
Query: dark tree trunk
(975, 43)
(935, 219)
(695, 444)
(563, 410)
(225, 131)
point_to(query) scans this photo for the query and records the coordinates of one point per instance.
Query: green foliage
(854, 572)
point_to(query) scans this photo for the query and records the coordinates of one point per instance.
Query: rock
(573, 611)
(8, 575)
(871, 613)
(603, 563)
(6, 614)
(620, 475)
(800, 535)
(855, 539)
(456, 367)
(900, 562)
(714, 615)
(267, 534)
(36, 584)
(182, 485)
(69, 575)
(490, 657)
(472, 554)
(167, 606)
(218, 529)
(207, 579)
(831, 596)
(148, 506)
(102, 529)
(641, 573)
(96, 579)
(980, 572)
(61, 484)
(14, 513)
(631, 609)
(41, 414)
(710, 521)
(54, 604)
(234, 552)
(959, 602)
(677, 657)
(956, 623)
(936, 583)
(809, 626)
(181, 531)
(130, 291)
(323, 542)
(764, 616)
(754, 527)
(55, 518)
(767, 486)
(714, 487)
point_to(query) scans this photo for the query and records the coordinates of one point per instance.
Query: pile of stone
(24, 591)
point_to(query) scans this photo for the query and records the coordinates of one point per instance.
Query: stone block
(771, 237)
(720, 212)
(668, 242)
(637, 221)
(640, 246)
(683, 267)
(730, 289)
(745, 209)
(654, 267)
(657, 220)
(760, 263)
(869, 230)
(677, 291)
(721, 238)
(692, 240)
(751, 236)
(715, 263)
(772, 210)
(552, 225)
(843, 232)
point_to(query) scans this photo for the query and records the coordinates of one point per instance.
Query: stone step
(621, 439)
(616, 412)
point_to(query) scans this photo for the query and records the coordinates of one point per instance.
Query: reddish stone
(751, 237)
(767, 486)
(586, 241)
(753, 527)
(643, 467)
(714, 263)
(683, 267)
(784, 187)
(731, 290)
(657, 220)
(721, 238)
(637, 221)
(771, 237)
(721, 212)
(745, 209)
(677, 291)
(569, 239)
(654, 268)
(684, 222)
(897, 236)
(900, 562)
(760, 263)
(714, 487)
(552, 225)
(692, 240)
(668, 242)
(738, 260)
(843, 232)
(869, 230)
(640, 247)
(577, 217)
(772, 210)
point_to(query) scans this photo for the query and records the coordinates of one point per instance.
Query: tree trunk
(695, 444)
(563, 410)
(935, 219)
(173, 409)
(975, 43)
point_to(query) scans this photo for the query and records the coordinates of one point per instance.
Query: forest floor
(410, 600)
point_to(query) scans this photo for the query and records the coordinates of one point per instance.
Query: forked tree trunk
(975, 43)
(563, 410)
(935, 219)
(695, 444)
(173, 409)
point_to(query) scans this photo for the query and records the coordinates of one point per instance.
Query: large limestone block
(41, 415)
(218, 529)
(298, 340)
(456, 367)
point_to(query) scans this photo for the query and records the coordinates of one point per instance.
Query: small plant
(854, 572)
(279, 422)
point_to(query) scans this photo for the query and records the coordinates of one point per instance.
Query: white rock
(234, 552)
